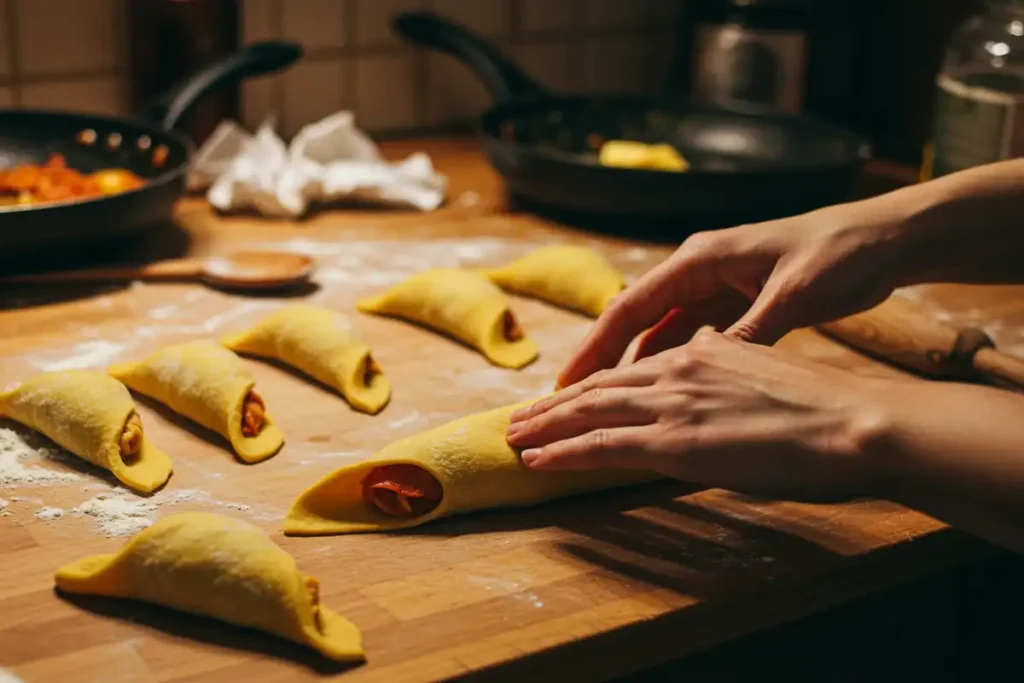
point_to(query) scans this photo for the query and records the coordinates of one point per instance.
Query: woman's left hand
(719, 412)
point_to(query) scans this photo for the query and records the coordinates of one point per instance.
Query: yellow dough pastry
(566, 275)
(464, 305)
(218, 567)
(460, 467)
(93, 416)
(209, 384)
(323, 345)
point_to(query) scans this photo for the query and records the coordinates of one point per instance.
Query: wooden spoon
(240, 270)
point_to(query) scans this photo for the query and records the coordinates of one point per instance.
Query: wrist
(874, 434)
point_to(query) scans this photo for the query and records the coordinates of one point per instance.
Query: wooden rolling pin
(899, 332)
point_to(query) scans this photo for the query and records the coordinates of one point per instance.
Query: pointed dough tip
(120, 370)
(150, 470)
(258, 448)
(82, 576)
(370, 304)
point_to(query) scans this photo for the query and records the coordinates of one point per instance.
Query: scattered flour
(409, 419)
(635, 254)
(7, 677)
(14, 448)
(87, 354)
(3, 507)
(117, 516)
(49, 514)
(163, 312)
(236, 506)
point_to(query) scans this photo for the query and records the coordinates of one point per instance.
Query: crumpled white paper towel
(330, 160)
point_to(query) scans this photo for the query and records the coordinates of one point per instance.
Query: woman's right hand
(756, 282)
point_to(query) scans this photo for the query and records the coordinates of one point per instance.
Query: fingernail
(518, 415)
(530, 455)
(513, 429)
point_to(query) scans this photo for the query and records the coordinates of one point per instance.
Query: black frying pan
(744, 166)
(146, 145)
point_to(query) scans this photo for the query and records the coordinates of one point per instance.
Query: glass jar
(979, 112)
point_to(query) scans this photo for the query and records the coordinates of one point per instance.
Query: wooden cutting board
(584, 588)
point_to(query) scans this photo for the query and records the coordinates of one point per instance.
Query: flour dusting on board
(117, 516)
(16, 448)
(48, 514)
(82, 356)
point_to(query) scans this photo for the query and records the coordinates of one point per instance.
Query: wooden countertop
(588, 588)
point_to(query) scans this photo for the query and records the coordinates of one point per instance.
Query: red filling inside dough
(510, 327)
(402, 490)
(254, 413)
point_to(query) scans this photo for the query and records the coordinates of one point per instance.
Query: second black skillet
(745, 167)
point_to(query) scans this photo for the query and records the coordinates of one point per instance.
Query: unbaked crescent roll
(211, 385)
(323, 345)
(93, 416)
(462, 304)
(218, 567)
(463, 466)
(566, 275)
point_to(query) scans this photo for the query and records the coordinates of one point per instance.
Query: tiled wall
(71, 54)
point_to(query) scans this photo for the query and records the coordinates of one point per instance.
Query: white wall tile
(315, 23)
(485, 17)
(385, 93)
(454, 94)
(554, 65)
(107, 95)
(312, 90)
(260, 20)
(618, 64)
(6, 97)
(373, 19)
(70, 36)
(259, 99)
(615, 13)
(539, 16)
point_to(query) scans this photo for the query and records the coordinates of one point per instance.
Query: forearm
(956, 452)
(965, 227)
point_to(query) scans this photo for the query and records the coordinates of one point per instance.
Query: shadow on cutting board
(202, 629)
(166, 241)
(649, 533)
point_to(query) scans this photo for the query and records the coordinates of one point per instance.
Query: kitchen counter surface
(593, 587)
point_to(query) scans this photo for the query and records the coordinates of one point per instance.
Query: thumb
(773, 314)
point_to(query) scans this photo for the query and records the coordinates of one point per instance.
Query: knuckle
(592, 400)
(705, 337)
(598, 440)
(684, 361)
(698, 244)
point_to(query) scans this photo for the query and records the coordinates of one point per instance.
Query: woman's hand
(756, 282)
(719, 412)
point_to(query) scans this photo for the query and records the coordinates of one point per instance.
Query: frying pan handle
(502, 79)
(257, 59)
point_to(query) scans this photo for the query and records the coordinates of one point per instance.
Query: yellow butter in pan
(463, 466)
(218, 567)
(93, 416)
(633, 154)
(323, 345)
(210, 385)
(464, 305)
(566, 275)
